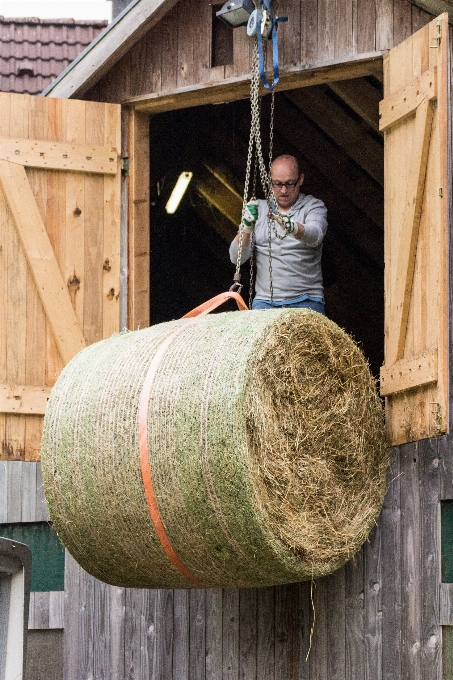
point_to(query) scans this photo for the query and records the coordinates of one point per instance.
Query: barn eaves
(124, 31)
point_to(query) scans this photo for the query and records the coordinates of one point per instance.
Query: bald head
(286, 179)
(288, 161)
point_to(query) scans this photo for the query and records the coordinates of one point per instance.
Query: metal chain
(255, 149)
(271, 131)
(254, 97)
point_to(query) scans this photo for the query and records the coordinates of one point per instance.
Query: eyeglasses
(287, 185)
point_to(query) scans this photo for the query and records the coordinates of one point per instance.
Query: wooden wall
(377, 618)
(176, 54)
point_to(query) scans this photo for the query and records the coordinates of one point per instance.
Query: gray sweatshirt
(296, 264)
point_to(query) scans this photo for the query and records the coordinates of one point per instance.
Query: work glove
(250, 216)
(288, 224)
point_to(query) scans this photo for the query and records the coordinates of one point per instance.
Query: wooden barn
(86, 248)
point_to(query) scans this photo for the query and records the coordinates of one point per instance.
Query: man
(296, 242)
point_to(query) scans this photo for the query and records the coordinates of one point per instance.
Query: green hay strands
(266, 446)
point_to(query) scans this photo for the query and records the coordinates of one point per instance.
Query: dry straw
(266, 447)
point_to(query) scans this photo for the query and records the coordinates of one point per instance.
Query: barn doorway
(334, 130)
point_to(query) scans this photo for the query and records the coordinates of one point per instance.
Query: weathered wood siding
(378, 617)
(21, 493)
(176, 54)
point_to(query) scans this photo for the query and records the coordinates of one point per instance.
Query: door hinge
(125, 166)
(438, 34)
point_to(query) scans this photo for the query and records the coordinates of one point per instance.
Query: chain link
(255, 151)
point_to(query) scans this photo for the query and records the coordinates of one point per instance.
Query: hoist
(262, 25)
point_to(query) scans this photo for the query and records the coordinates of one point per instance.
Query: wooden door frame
(135, 222)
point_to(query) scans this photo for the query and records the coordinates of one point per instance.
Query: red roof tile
(33, 52)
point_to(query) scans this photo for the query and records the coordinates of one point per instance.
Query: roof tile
(43, 47)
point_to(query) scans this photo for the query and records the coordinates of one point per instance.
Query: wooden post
(139, 227)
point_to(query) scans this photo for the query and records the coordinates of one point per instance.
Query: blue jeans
(306, 304)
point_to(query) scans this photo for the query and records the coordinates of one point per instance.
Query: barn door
(59, 250)
(414, 378)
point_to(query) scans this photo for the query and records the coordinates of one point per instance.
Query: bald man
(296, 242)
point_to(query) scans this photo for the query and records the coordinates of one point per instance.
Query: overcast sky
(57, 9)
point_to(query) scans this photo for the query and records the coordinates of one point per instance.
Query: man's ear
(301, 178)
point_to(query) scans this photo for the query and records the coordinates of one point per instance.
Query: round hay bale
(265, 447)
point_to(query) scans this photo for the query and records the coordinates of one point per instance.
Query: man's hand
(250, 216)
(289, 225)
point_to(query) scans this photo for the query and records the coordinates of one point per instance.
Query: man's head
(287, 178)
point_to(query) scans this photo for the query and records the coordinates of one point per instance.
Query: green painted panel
(47, 552)
(447, 541)
(447, 652)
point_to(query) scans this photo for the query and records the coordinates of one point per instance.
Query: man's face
(282, 173)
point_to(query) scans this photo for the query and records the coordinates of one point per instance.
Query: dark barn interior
(334, 129)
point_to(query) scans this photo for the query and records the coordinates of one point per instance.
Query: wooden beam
(216, 189)
(138, 298)
(328, 115)
(112, 44)
(212, 217)
(402, 285)
(435, 7)
(235, 88)
(59, 155)
(24, 399)
(407, 374)
(361, 97)
(332, 162)
(405, 101)
(41, 259)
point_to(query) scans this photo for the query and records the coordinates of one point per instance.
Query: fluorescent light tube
(178, 192)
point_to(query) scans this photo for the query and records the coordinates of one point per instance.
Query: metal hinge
(438, 36)
(125, 166)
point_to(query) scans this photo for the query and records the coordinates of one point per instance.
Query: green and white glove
(288, 224)
(250, 216)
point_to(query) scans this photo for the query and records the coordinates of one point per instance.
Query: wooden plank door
(414, 378)
(59, 250)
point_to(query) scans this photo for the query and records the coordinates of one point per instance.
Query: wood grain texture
(72, 603)
(64, 291)
(24, 399)
(197, 635)
(181, 635)
(46, 611)
(411, 567)
(21, 493)
(41, 259)
(103, 54)
(430, 558)
(230, 634)
(416, 265)
(378, 618)
(248, 634)
(138, 234)
(238, 87)
(34, 153)
(373, 603)
(266, 634)
(406, 374)
(214, 633)
(354, 612)
(117, 614)
(336, 625)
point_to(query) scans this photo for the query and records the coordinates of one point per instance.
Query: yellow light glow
(178, 192)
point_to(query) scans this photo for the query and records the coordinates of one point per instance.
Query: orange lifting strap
(151, 499)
